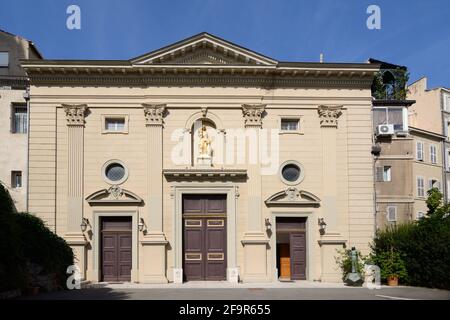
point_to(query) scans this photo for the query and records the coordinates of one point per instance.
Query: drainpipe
(26, 96)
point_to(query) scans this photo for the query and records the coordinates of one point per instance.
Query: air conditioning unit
(385, 129)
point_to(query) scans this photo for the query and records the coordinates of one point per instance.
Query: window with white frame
(115, 123)
(391, 212)
(433, 154)
(383, 173)
(19, 119)
(419, 150)
(290, 124)
(4, 59)
(420, 187)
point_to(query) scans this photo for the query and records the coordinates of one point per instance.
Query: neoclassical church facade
(203, 160)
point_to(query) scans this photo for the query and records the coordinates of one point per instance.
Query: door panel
(204, 237)
(116, 249)
(285, 261)
(298, 256)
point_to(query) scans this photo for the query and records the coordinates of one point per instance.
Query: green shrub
(391, 265)
(424, 246)
(25, 239)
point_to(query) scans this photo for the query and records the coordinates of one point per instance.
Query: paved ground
(225, 291)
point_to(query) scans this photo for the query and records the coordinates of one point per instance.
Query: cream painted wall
(354, 184)
(13, 147)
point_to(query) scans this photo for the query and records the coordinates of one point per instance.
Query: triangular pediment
(114, 194)
(203, 49)
(293, 197)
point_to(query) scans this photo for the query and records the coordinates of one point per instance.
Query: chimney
(321, 57)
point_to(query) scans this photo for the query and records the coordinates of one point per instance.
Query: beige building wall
(13, 147)
(68, 149)
(426, 168)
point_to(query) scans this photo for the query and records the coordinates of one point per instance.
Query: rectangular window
(4, 59)
(114, 123)
(19, 119)
(386, 173)
(419, 150)
(290, 124)
(420, 187)
(16, 179)
(391, 214)
(433, 154)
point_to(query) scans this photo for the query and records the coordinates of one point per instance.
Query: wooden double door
(204, 237)
(116, 249)
(291, 248)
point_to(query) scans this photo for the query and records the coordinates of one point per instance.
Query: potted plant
(392, 266)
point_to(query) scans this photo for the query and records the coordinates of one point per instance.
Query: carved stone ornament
(115, 192)
(253, 114)
(75, 114)
(154, 114)
(292, 194)
(329, 115)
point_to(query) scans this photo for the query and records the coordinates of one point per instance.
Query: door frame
(96, 250)
(231, 192)
(309, 229)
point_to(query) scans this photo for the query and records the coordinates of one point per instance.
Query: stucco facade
(13, 103)
(160, 98)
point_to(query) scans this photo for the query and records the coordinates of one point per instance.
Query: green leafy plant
(344, 261)
(392, 86)
(424, 245)
(391, 264)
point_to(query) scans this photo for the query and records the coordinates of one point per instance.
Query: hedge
(423, 245)
(25, 240)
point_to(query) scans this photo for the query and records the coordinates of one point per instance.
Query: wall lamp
(322, 225)
(84, 224)
(268, 224)
(141, 224)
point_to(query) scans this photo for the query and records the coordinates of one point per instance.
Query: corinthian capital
(253, 114)
(154, 114)
(329, 115)
(75, 114)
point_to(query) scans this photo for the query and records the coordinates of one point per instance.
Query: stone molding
(253, 114)
(329, 115)
(154, 114)
(75, 114)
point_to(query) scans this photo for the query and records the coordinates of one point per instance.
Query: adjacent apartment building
(407, 155)
(431, 112)
(14, 115)
(203, 160)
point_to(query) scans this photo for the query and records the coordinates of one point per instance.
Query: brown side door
(116, 244)
(298, 255)
(204, 237)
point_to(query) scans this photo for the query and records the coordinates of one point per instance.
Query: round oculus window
(115, 172)
(291, 172)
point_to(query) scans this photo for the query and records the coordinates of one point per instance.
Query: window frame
(297, 118)
(106, 117)
(300, 178)
(8, 59)
(418, 188)
(14, 108)
(107, 164)
(14, 175)
(422, 156)
(433, 146)
(388, 213)
(404, 113)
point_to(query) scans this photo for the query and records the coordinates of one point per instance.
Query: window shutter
(419, 150)
(392, 213)
(379, 173)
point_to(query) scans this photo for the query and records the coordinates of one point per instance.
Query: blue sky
(413, 33)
